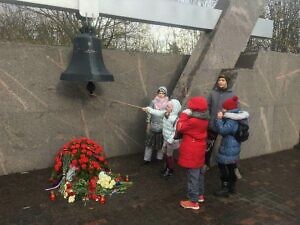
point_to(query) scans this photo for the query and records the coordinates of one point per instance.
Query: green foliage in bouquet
(81, 172)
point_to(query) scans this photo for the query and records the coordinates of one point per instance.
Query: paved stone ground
(267, 194)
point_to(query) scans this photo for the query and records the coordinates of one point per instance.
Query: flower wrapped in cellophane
(81, 172)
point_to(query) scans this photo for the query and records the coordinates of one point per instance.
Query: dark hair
(162, 89)
(225, 77)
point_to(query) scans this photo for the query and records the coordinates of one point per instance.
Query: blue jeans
(195, 183)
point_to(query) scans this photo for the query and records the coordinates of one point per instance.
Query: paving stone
(264, 197)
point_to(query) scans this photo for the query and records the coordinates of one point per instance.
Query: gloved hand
(145, 109)
(187, 111)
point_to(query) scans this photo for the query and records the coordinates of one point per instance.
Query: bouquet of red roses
(81, 172)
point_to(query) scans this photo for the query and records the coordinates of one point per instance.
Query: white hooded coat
(169, 126)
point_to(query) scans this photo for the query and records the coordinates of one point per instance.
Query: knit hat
(162, 89)
(230, 103)
(198, 104)
(225, 77)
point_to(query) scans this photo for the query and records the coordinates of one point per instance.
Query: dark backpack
(242, 133)
(177, 135)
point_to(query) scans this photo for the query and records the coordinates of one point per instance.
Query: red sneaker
(201, 198)
(189, 204)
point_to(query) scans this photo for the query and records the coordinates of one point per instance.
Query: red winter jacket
(194, 130)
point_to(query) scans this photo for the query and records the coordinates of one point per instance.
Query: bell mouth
(100, 77)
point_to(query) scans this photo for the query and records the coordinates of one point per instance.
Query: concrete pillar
(219, 49)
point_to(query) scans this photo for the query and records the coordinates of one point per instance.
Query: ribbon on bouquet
(56, 186)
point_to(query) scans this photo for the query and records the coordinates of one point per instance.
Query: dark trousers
(211, 138)
(227, 173)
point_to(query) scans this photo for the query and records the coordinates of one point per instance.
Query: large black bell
(86, 62)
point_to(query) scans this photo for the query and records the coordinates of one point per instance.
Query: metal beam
(164, 12)
(68, 5)
(263, 28)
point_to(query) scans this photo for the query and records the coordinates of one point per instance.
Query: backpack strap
(175, 121)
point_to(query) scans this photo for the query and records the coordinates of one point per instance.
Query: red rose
(69, 185)
(85, 155)
(74, 151)
(101, 158)
(97, 166)
(56, 167)
(74, 162)
(83, 166)
(85, 159)
(81, 161)
(93, 182)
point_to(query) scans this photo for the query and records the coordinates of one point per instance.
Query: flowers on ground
(81, 172)
(106, 181)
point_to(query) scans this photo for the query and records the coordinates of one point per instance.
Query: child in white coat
(169, 115)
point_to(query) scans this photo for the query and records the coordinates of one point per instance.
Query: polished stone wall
(39, 113)
(270, 91)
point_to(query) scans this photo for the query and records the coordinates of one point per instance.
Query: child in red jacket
(193, 124)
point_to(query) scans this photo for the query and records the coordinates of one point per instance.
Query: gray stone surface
(40, 113)
(270, 92)
(267, 83)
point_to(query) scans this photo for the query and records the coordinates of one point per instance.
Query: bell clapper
(91, 87)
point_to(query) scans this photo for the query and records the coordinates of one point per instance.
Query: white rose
(101, 173)
(113, 182)
(71, 199)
